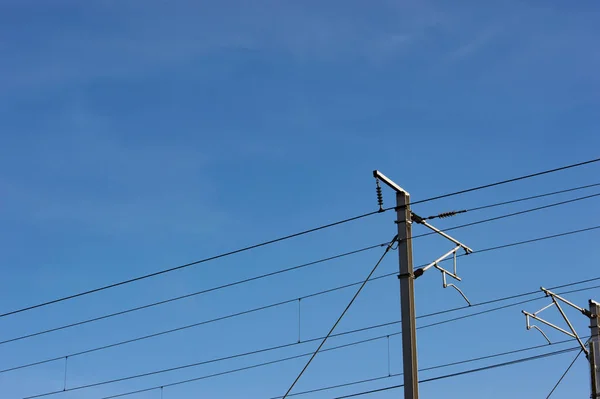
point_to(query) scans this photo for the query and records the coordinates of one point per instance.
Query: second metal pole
(594, 348)
(407, 296)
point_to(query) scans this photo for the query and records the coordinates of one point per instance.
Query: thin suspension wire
(266, 275)
(298, 356)
(470, 360)
(324, 292)
(506, 181)
(532, 197)
(186, 265)
(231, 371)
(470, 371)
(513, 201)
(510, 215)
(564, 374)
(283, 238)
(387, 249)
(501, 307)
(347, 384)
(257, 365)
(201, 292)
(299, 319)
(65, 381)
(389, 356)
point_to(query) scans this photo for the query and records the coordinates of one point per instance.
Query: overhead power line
(277, 272)
(283, 238)
(513, 201)
(445, 365)
(186, 265)
(276, 361)
(230, 357)
(532, 197)
(508, 215)
(257, 365)
(169, 331)
(499, 183)
(201, 292)
(475, 370)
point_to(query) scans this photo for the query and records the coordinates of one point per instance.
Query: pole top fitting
(378, 175)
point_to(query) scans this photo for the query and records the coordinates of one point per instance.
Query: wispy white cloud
(114, 39)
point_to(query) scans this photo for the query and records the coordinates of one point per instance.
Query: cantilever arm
(422, 221)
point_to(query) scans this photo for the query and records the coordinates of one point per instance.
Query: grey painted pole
(407, 296)
(594, 348)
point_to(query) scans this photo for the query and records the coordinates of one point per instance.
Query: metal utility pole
(407, 290)
(407, 295)
(594, 348)
(404, 219)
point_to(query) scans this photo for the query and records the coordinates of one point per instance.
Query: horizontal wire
(513, 201)
(470, 371)
(532, 197)
(240, 369)
(205, 291)
(287, 358)
(508, 215)
(312, 295)
(506, 181)
(186, 265)
(283, 238)
(501, 307)
(266, 275)
(470, 360)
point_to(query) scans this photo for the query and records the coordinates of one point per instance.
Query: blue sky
(138, 135)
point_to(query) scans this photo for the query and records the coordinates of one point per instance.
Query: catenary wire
(279, 239)
(389, 376)
(532, 197)
(186, 265)
(205, 291)
(298, 356)
(470, 371)
(508, 215)
(277, 272)
(499, 183)
(262, 364)
(312, 295)
(513, 201)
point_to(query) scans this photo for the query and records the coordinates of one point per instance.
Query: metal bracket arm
(530, 326)
(420, 220)
(435, 262)
(551, 294)
(378, 175)
(445, 284)
(555, 302)
(562, 330)
(570, 325)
